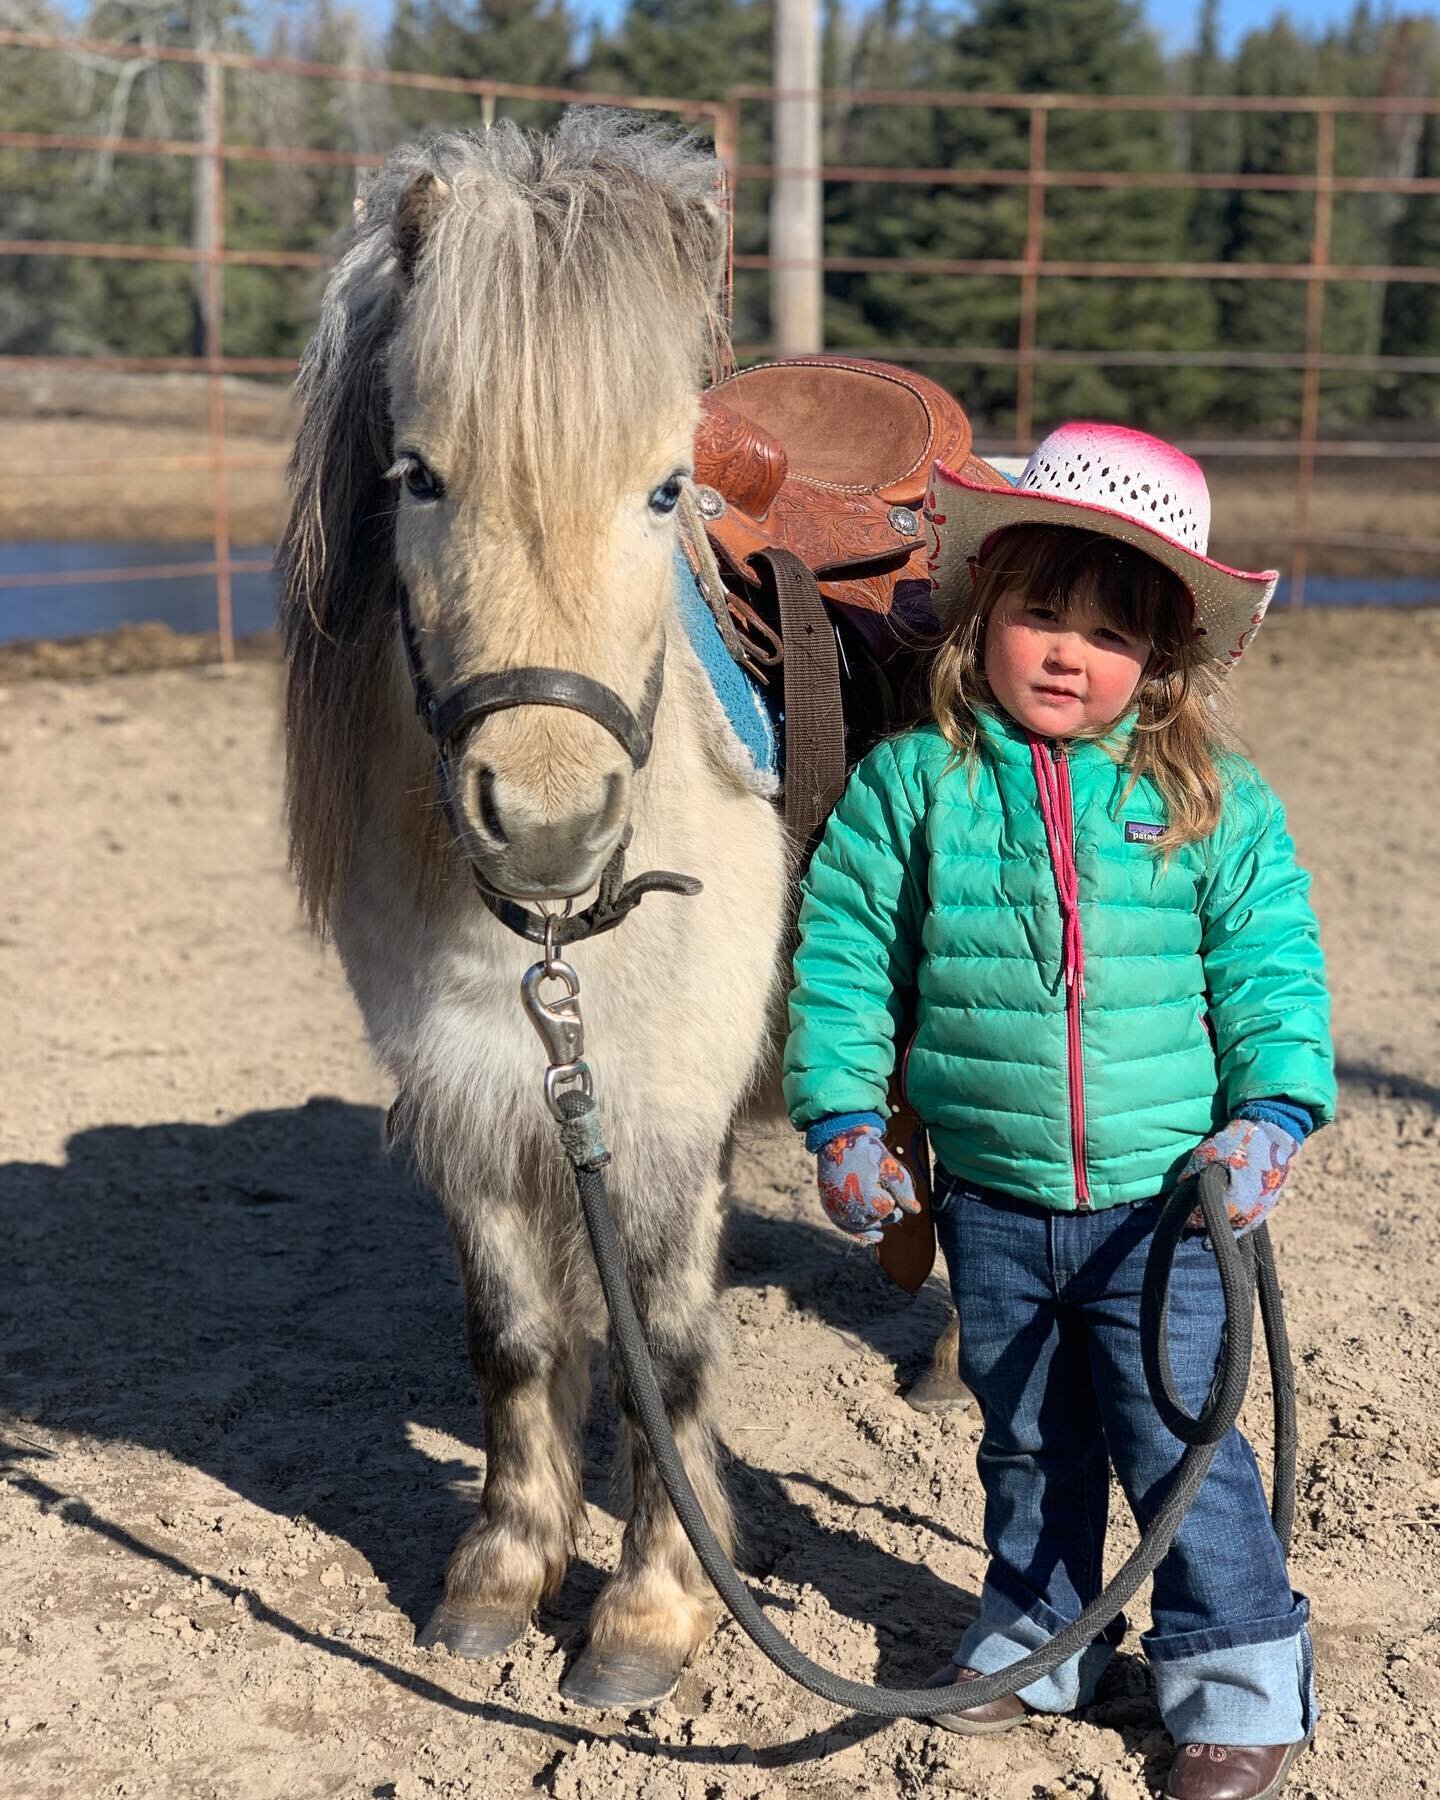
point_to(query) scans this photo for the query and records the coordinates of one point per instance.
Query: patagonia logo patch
(1140, 831)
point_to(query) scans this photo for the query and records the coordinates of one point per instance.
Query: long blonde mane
(564, 289)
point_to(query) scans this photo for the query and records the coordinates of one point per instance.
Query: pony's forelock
(589, 261)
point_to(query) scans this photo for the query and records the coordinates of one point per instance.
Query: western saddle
(811, 479)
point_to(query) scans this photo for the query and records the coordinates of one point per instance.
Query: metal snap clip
(557, 1021)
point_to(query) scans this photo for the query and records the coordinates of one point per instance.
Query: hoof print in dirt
(621, 1680)
(476, 1633)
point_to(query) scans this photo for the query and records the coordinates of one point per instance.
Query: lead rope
(570, 1097)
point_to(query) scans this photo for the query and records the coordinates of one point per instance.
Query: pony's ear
(419, 206)
(702, 243)
(705, 236)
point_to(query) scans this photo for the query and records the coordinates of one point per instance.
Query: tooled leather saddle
(811, 475)
(829, 458)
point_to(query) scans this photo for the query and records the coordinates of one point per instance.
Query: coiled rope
(1243, 1265)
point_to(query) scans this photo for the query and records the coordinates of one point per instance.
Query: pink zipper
(1052, 778)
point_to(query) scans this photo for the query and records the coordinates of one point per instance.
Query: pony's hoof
(621, 1680)
(472, 1632)
(939, 1391)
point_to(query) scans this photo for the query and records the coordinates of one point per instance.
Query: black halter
(446, 717)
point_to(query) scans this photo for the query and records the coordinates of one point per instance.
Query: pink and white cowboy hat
(1117, 483)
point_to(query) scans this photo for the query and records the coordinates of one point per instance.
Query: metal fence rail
(215, 258)
(1037, 178)
(724, 118)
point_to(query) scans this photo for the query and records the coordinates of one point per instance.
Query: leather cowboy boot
(1230, 1771)
(977, 1721)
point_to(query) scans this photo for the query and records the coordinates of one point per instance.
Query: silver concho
(903, 520)
(709, 504)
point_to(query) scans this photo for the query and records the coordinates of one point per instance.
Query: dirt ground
(240, 1434)
(73, 440)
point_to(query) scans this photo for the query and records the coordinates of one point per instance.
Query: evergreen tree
(1037, 46)
(1211, 138)
(528, 42)
(684, 47)
(1266, 227)
(1368, 55)
(1410, 312)
(44, 301)
(297, 206)
(701, 48)
(898, 46)
(94, 306)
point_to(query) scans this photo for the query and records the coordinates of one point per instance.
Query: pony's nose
(506, 812)
(530, 851)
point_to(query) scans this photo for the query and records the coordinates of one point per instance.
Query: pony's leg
(531, 1359)
(658, 1608)
(940, 1388)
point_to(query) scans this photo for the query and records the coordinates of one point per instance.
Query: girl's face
(1061, 674)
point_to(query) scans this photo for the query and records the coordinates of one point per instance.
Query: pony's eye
(421, 481)
(665, 498)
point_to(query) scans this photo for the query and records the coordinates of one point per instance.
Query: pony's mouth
(557, 859)
(530, 895)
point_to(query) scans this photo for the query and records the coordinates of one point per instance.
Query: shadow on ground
(270, 1301)
(1387, 1084)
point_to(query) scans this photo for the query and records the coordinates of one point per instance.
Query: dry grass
(50, 421)
(54, 422)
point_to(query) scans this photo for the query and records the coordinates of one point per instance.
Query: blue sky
(1175, 20)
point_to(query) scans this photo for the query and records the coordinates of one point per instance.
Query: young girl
(1117, 979)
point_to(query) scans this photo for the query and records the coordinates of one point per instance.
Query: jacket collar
(1010, 742)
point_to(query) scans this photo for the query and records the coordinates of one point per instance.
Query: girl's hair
(1183, 725)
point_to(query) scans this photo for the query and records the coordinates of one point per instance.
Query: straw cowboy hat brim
(964, 514)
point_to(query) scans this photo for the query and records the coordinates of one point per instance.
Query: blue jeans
(1049, 1307)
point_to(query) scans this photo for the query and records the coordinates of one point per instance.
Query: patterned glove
(1258, 1154)
(862, 1187)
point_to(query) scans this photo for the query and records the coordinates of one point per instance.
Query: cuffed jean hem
(1252, 1684)
(1005, 1632)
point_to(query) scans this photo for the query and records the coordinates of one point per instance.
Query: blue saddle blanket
(745, 727)
(753, 737)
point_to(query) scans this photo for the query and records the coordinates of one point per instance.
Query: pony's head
(498, 406)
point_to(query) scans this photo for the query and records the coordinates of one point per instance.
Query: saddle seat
(829, 458)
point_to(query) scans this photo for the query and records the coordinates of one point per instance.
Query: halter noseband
(446, 717)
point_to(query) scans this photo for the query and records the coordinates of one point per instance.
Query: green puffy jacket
(1068, 1054)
